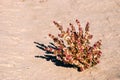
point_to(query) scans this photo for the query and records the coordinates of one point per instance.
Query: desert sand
(23, 22)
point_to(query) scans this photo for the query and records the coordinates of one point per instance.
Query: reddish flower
(74, 47)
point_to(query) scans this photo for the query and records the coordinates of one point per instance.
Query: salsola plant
(73, 46)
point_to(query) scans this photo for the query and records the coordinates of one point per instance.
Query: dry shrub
(73, 47)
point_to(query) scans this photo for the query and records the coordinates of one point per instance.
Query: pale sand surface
(24, 21)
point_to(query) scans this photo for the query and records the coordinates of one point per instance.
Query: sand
(23, 22)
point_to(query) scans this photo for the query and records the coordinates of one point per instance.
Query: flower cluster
(73, 47)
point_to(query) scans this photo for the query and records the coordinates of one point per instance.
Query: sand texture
(23, 22)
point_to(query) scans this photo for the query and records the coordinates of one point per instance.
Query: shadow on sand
(49, 55)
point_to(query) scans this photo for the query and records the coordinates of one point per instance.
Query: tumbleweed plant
(73, 46)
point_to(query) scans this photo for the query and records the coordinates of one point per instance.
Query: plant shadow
(50, 57)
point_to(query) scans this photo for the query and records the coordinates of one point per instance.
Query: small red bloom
(73, 46)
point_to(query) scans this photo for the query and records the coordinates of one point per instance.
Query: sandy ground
(24, 21)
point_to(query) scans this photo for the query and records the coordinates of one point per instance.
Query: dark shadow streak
(50, 57)
(55, 61)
